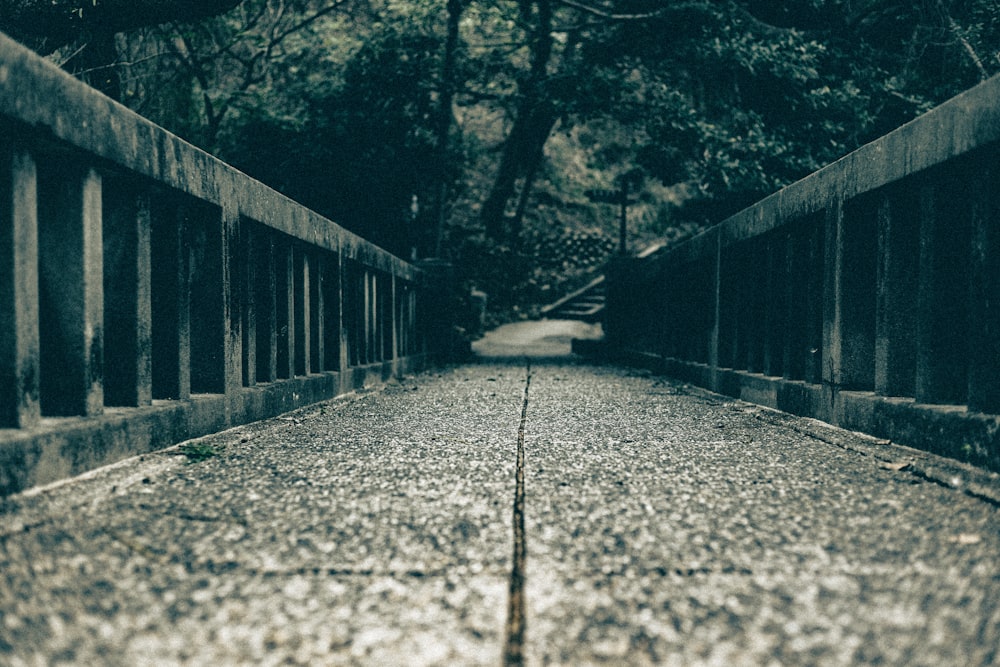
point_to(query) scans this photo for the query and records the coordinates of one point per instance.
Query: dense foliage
(476, 129)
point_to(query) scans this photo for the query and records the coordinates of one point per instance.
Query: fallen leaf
(896, 466)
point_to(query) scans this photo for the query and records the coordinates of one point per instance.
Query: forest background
(474, 130)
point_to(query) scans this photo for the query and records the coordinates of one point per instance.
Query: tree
(48, 25)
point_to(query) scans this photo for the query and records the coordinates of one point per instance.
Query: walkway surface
(630, 520)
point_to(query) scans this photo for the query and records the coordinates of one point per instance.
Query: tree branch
(611, 16)
(50, 24)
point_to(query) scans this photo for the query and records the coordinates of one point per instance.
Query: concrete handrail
(150, 293)
(864, 295)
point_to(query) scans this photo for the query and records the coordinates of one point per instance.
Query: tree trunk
(534, 119)
(521, 153)
(445, 118)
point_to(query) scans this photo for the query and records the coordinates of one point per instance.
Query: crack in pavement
(514, 644)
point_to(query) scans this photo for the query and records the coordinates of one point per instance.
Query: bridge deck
(661, 525)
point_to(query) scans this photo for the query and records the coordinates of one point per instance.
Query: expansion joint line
(514, 647)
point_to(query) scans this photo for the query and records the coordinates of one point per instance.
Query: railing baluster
(317, 313)
(285, 307)
(19, 307)
(171, 309)
(331, 288)
(209, 300)
(128, 370)
(984, 308)
(303, 326)
(896, 285)
(244, 276)
(265, 308)
(942, 315)
(71, 281)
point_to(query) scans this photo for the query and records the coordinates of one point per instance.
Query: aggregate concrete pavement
(662, 525)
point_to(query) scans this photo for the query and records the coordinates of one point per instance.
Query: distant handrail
(151, 293)
(864, 294)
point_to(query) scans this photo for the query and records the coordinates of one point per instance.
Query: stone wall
(866, 295)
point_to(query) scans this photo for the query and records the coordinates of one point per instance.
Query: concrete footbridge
(233, 432)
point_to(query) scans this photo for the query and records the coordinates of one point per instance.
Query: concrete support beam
(128, 328)
(19, 309)
(71, 290)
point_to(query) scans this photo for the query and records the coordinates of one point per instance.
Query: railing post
(394, 314)
(303, 324)
(171, 309)
(776, 325)
(128, 336)
(245, 279)
(831, 373)
(440, 310)
(19, 308)
(984, 307)
(331, 288)
(345, 300)
(815, 352)
(942, 317)
(210, 306)
(71, 281)
(317, 313)
(284, 290)
(716, 305)
(896, 285)
(265, 308)
(234, 301)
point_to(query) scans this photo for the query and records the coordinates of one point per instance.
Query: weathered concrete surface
(372, 530)
(665, 525)
(672, 527)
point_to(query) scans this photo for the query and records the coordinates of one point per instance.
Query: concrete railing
(866, 295)
(149, 293)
